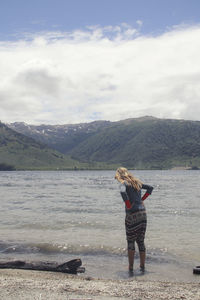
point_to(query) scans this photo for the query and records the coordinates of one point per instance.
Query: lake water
(63, 215)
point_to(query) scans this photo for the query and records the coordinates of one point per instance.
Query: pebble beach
(25, 284)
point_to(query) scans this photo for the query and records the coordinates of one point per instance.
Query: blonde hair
(122, 174)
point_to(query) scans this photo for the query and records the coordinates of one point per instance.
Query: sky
(74, 61)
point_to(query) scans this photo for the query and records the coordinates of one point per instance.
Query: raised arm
(148, 189)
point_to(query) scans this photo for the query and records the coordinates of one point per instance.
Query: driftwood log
(72, 266)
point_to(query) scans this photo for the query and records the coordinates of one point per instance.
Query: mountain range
(140, 143)
(19, 152)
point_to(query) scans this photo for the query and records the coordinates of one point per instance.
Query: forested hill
(140, 143)
(60, 137)
(145, 143)
(21, 152)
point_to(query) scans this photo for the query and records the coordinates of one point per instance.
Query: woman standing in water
(136, 219)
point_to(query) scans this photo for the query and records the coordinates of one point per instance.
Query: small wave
(48, 249)
(16, 248)
(8, 184)
(160, 256)
(153, 255)
(60, 226)
(17, 202)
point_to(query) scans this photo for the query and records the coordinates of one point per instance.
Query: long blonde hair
(122, 174)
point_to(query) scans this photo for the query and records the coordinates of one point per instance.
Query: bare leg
(142, 259)
(131, 254)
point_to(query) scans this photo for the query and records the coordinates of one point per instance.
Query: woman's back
(128, 192)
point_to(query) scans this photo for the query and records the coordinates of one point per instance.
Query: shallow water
(62, 215)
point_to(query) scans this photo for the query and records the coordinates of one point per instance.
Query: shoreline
(26, 284)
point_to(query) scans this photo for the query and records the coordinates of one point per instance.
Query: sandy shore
(21, 284)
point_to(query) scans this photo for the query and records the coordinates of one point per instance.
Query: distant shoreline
(103, 169)
(185, 168)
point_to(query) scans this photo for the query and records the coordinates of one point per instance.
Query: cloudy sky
(72, 61)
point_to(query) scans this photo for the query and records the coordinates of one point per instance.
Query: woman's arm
(148, 189)
(125, 196)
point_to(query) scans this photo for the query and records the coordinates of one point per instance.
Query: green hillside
(144, 143)
(62, 138)
(20, 152)
(141, 143)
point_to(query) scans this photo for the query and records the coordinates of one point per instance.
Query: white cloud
(100, 73)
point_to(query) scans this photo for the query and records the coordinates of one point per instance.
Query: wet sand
(23, 284)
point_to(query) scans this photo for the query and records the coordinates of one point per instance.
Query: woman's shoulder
(124, 185)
